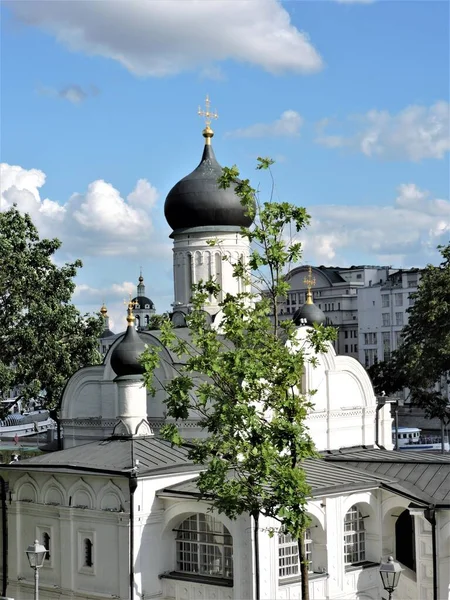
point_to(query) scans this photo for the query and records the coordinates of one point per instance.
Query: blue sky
(99, 120)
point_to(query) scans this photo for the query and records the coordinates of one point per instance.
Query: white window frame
(354, 537)
(40, 531)
(204, 547)
(288, 559)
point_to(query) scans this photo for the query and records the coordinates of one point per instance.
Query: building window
(346, 348)
(204, 546)
(359, 276)
(398, 299)
(46, 544)
(399, 318)
(288, 561)
(354, 537)
(370, 339)
(346, 334)
(405, 543)
(384, 300)
(386, 319)
(88, 554)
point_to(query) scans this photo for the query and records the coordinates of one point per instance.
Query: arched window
(288, 559)
(137, 320)
(46, 544)
(88, 557)
(205, 547)
(405, 543)
(354, 537)
(147, 319)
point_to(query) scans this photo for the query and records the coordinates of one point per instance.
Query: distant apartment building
(382, 314)
(336, 291)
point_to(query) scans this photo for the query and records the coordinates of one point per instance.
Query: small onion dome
(125, 356)
(103, 310)
(141, 302)
(309, 313)
(197, 200)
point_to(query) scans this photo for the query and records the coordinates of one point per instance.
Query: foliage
(422, 362)
(43, 337)
(243, 378)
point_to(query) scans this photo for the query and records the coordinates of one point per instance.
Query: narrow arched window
(88, 556)
(46, 544)
(354, 537)
(405, 543)
(204, 547)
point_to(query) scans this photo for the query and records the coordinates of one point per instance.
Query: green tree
(43, 337)
(422, 362)
(243, 380)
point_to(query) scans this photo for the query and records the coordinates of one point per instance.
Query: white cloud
(97, 222)
(166, 38)
(415, 133)
(407, 230)
(288, 125)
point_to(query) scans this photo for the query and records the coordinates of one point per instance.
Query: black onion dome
(308, 314)
(143, 301)
(125, 356)
(197, 200)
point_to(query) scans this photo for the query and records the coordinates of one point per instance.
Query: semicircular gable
(77, 386)
(355, 370)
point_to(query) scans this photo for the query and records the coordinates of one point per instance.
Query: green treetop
(43, 337)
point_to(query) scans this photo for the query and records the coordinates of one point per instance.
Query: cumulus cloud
(73, 93)
(415, 133)
(407, 230)
(288, 125)
(165, 38)
(97, 222)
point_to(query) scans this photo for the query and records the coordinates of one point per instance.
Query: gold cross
(130, 304)
(207, 113)
(309, 281)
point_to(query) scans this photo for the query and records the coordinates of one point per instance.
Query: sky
(99, 103)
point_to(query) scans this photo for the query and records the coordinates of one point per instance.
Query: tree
(243, 380)
(43, 337)
(422, 362)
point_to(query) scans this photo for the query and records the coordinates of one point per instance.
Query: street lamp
(36, 556)
(390, 574)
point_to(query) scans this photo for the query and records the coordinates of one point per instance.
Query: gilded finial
(309, 281)
(104, 310)
(131, 305)
(208, 115)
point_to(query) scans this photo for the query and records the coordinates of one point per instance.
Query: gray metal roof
(119, 456)
(323, 477)
(421, 476)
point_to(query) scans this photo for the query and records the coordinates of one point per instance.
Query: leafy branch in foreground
(242, 378)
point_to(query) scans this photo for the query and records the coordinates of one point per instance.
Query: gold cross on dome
(309, 281)
(207, 114)
(130, 305)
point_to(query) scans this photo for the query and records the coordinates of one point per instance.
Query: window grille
(204, 546)
(354, 537)
(288, 559)
(88, 561)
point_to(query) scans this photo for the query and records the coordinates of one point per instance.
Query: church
(118, 509)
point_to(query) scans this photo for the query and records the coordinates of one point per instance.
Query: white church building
(118, 508)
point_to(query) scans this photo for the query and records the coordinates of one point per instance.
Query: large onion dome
(197, 201)
(125, 356)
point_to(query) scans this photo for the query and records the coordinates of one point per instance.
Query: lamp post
(390, 574)
(36, 556)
